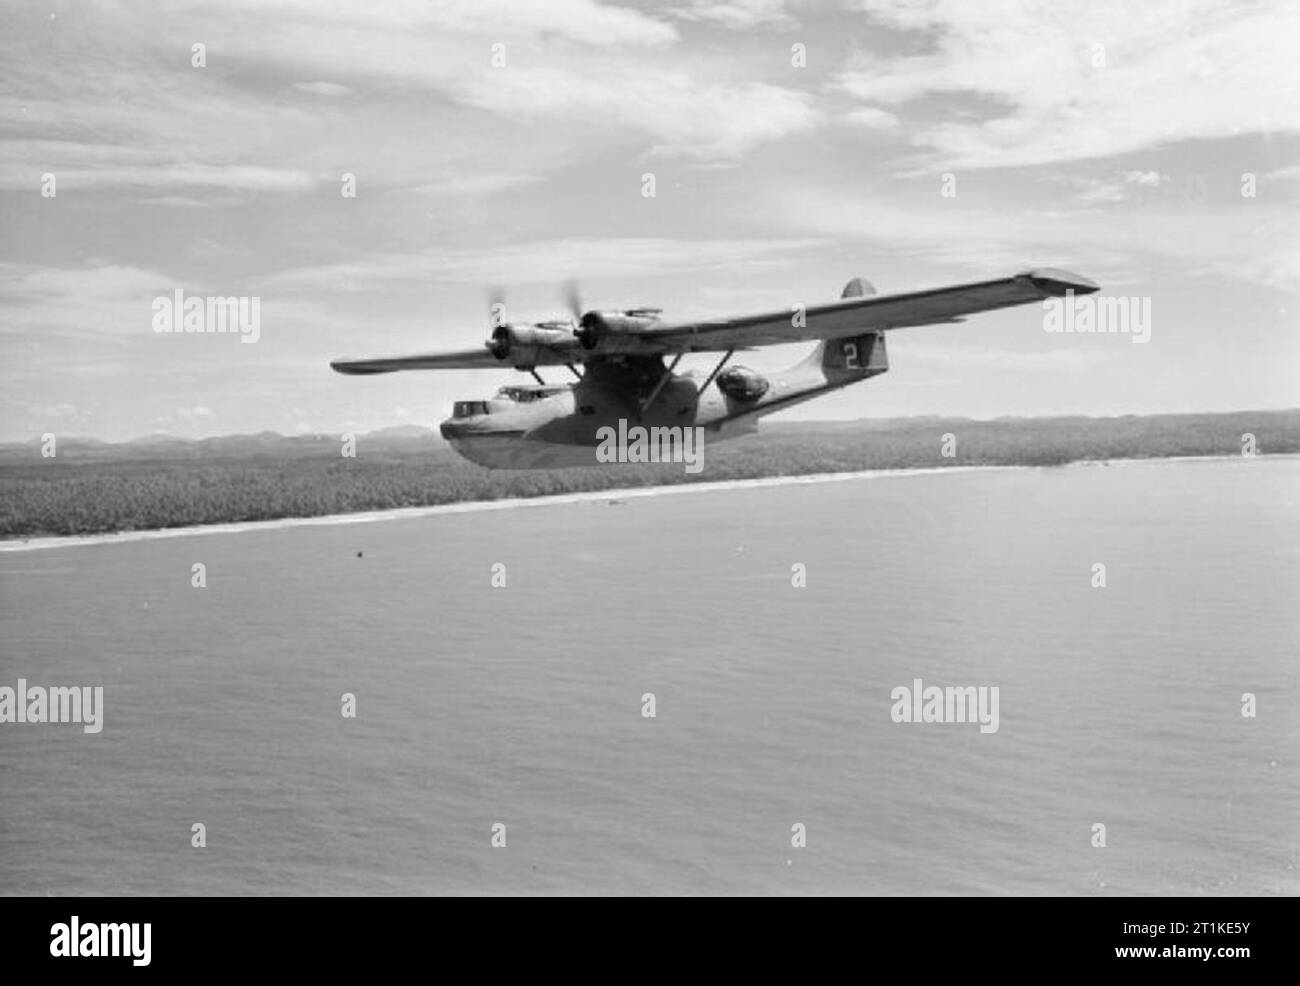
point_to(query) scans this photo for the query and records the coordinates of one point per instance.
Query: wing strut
(663, 380)
(536, 376)
(716, 370)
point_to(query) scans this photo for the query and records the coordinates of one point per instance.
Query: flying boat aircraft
(618, 359)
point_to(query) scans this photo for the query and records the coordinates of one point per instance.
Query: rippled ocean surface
(522, 705)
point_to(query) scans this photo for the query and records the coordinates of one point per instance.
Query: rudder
(855, 356)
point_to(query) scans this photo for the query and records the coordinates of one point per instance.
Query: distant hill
(413, 438)
(259, 445)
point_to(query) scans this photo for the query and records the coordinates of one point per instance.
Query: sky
(1153, 147)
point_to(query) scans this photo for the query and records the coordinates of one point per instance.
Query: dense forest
(91, 487)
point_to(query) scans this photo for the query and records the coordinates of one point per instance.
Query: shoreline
(44, 542)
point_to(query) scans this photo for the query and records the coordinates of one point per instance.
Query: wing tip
(1057, 282)
(351, 367)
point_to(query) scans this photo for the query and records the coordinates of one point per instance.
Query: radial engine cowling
(597, 328)
(527, 345)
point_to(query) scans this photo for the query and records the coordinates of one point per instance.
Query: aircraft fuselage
(548, 426)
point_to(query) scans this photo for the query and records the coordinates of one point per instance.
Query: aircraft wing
(831, 320)
(467, 359)
(850, 315)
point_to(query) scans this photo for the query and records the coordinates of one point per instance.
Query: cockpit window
(468, 409)
(525, 395)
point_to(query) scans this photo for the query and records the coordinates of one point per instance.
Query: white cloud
(177, 202)
(1147, 179)
(1234, 241)
(477, 185)
(682, 116)
(327, 89)
(585, 21)
(568, 63)
(53, 410)
(1058, 358)
(1119, 187)
(543, 262)
(872, 118)
(1168, 72)
(736, 14)
(240, 177)
(107, 302)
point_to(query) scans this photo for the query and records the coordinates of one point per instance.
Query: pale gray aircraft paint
(539, 426)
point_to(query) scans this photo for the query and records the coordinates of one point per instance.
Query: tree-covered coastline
(94, 488)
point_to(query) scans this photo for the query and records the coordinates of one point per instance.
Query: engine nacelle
(740, 383)
(527, 345)
(597, 328)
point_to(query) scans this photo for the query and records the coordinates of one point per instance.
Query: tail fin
(844, 360)
(841, 361)
(859, 287)
(854, 357)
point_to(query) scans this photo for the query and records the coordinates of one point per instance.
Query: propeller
(502, 336)
(574, 300)
(586, 323)
(497, 306)
(498, 343)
